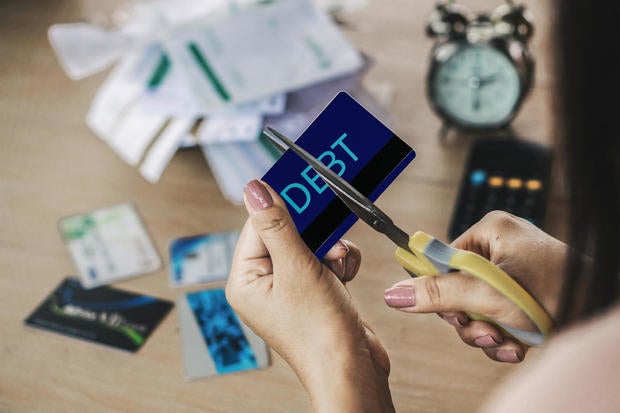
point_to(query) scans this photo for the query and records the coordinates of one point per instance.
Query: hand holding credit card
(420, 254)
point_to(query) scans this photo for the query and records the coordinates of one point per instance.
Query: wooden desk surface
(52, 165)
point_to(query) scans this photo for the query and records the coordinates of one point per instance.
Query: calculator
(508, 174)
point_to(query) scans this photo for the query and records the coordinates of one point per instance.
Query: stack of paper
(210, 73)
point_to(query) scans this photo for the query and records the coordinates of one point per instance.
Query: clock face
(477, 86)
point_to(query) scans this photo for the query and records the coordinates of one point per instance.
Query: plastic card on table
(214, 340)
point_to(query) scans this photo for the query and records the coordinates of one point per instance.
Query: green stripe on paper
(204, 65)
(160, 72)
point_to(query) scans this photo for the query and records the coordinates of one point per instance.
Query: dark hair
(587, 63)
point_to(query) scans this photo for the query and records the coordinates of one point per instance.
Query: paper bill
(282, 46)
(164, 148)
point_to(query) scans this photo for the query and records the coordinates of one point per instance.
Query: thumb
(441, 293)
(274, 226)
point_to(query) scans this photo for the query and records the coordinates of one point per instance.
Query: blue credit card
(223, 335)
(355, 145)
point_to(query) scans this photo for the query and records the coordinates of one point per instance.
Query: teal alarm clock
(480, 69)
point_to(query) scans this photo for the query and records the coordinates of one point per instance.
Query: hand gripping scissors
(422, 255)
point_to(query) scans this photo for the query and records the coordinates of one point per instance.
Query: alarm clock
(480, 68)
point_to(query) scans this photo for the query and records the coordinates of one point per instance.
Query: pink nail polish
(338, 267)
(462, 319)
(257, 195)
(455, 321)
(509, 356)
(400, 296)
(341, 245)
(486, 341)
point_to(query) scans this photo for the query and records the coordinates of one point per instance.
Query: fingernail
(400, 296)
(462, 319)
(257, 195)
(455, 321)
(486, 341)
(342, 245)
(338, 267)
(509, 356)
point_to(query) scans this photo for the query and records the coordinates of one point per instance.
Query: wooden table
(52, 165)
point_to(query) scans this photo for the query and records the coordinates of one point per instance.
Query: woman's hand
(533, 258)
(301, 308)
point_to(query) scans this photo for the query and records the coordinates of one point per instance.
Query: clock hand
(487, 80)
(475, 103)
(456, 80)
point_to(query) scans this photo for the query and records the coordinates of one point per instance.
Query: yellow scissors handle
(431, 256)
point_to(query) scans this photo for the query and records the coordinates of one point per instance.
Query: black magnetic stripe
(375, 171)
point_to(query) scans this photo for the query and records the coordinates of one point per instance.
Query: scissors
(422, 255)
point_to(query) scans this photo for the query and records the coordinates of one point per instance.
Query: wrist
(347, 381)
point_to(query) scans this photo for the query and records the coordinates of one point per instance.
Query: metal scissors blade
(361, 206)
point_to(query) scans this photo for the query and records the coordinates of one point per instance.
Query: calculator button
(491, 201)
(474, 192)
(514, 183)
(469, 208)
(529, 202)
(533, 185)
(496, 181)
(477, 177)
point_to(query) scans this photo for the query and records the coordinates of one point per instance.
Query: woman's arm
(301, 308)
(578, 372)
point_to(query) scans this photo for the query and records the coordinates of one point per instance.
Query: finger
(490, 339)
(509, 352)
(455, 318)
(480, 334)
(250, 260)
(249, 245)
(276, 229)
(344, 259)
(354, 261)
(336, 259)
(440, 293)
(377, 351)
(251, 266)
(339, 250)
(485, 236)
